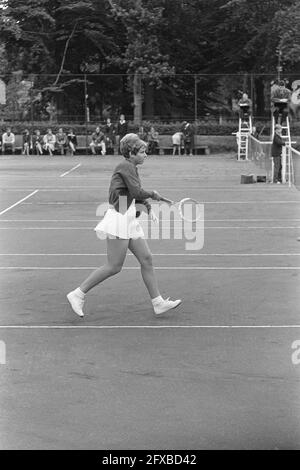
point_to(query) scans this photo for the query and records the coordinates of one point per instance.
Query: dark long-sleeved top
(126, 182)
(72, 138)
(122, 128)
(277, 145)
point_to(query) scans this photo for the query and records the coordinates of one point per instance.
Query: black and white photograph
(149, 228)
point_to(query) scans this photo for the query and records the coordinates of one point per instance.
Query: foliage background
(140, 57)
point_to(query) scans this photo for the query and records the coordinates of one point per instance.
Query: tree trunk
(137, 99)
(260, 97)
(149, 101)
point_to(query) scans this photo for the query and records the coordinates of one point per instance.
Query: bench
(82, 141)
(166, 146)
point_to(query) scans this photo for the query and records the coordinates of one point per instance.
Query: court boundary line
(19, 202)
(157, 268)
(154, 254)
(88, 188)
(286, 227)
(143, 219)
(202, 202)
(67, 172)
(112, 327)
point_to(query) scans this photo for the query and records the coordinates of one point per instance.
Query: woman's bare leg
(141, 251)
(116, 252)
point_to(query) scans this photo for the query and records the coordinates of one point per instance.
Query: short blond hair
(131, 143)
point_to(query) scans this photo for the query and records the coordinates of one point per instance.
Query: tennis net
(295, 167)
(260, 153)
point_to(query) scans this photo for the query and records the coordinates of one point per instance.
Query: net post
(283, 165)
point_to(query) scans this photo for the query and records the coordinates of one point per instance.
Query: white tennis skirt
(119, 225)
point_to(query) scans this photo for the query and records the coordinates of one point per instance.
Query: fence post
(85, 111)
(252, 95)
(196, 98)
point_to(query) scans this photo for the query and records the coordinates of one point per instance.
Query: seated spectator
(245, 105)
(72, 141)
(280, 98)
(142, 134)
(109, 132)
(37, 143)
(8, 141)
(26, 143)
(188, 138)
(49, 142)
(177, 140)
(153, 142)
(98, 142)
(61, 141)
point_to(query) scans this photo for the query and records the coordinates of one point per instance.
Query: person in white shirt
(177, 140)
(49, 142)
(8, 141)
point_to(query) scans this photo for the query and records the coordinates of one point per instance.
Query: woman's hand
(156, 196)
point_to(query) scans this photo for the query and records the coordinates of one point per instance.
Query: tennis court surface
(222, 371)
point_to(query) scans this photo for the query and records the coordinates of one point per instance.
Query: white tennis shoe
(165, 305)
(76, 302)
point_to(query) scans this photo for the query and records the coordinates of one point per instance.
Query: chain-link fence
(87, 99)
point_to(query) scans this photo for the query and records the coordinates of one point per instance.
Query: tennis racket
(189, 209)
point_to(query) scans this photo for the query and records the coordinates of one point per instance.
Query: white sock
(79, 292)
(157, 300)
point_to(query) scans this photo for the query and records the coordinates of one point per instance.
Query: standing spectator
(37, 143)
(153, 142)
(27, 143)
(72, 142)
(1, 142)
(61, 141)
(177, 140)
(98, 142)
(109, 132)
(188, 138)
(255, 132)
(280, 99)
(276, 152)
(49, 142)
(122, 129)
(8, 141)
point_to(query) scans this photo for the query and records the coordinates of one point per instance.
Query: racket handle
(169, 201)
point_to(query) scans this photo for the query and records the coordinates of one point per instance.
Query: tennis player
(123, 230)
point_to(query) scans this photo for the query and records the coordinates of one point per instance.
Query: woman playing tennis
(122, 229)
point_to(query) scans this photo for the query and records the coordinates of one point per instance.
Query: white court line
(144, 220)
(19, 202)
(205, 228)
(90, 203)
(154, 254)
(67, 172)
(170, 268)
(87, 188)
(121, 327)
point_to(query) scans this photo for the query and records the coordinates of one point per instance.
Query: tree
(149, 40)
(141, 21)
(287, 25)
